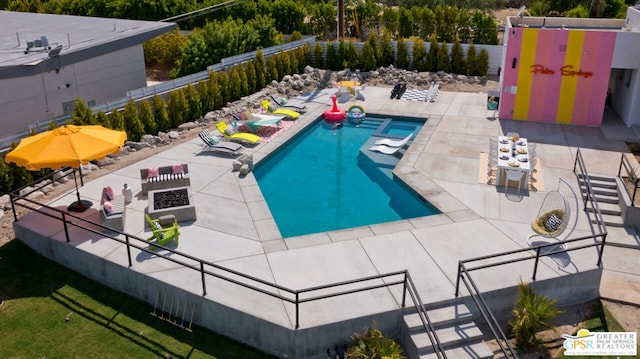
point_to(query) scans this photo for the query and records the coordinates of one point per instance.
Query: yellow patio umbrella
(68, 145)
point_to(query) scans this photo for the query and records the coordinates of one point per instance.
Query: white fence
(495, 58)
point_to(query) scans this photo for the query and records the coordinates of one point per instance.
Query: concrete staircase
(454, 326)
(606, 194)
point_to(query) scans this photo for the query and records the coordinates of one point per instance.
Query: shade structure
(67, 146)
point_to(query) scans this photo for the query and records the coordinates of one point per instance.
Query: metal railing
(424, 318)
(588, 197)
(596, 240)
(631, 174)
(208, 269)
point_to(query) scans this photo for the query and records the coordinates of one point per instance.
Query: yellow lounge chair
(279, 111)
(238, 136)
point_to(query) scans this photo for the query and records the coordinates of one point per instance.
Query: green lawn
(39, 295)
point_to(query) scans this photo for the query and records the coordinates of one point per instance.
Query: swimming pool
(320, 181)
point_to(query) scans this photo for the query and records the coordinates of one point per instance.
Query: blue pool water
(320, 182)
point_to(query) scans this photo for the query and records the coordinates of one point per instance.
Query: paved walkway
(235, 228)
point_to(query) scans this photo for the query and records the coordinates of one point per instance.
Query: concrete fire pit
(176, 201)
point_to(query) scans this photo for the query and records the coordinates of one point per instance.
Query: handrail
(206, 268)
(596, 240)
(589, 196)
(424, 317)
(485, 312)
(629, 169)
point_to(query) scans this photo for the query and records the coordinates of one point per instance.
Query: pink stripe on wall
(584, 88)
(600, 84)
(510, 75)
(539, 81)
(551, 93)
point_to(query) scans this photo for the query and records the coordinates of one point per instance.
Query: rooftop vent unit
(43, 43)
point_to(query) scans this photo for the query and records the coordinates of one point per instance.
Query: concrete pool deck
(235, 228)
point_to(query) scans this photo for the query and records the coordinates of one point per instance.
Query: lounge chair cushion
(108, 207)
(177, 169)
(108, 193)
(553, 223)
(152, 172)
(539, 224)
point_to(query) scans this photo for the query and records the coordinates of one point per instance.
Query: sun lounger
(385, 149)
(231, 148)
(243, 137)
(256, 120)
(394, 143)
(282, 103)
(266, 104)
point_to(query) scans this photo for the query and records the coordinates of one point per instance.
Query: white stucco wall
(29, 100)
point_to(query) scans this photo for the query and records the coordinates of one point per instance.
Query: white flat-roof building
(47, 61)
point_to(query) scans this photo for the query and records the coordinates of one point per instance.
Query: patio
(235, 228)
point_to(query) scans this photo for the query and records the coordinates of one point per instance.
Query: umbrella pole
(80, 205)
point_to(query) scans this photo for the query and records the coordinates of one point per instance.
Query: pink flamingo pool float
(334, 115)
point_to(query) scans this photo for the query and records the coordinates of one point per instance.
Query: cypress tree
(102, 119)
(368, 58)
(386, 50)
(260, 66)
(214, 91)
(251, 77)
(457, 59)
(146, 117)
(352, 58)
(133, 125)
(471, 60)
(443, 58)
(244, 86)
(82, 114)
(293, 61)
(332, 57)
(482, 63)
(160, 114)
(194, 104)
(304, 57)
(234, 84)
(223, 87)
(117, 120)
(206, 97)
(272, 69)
(318, 61)
(373, 42)
(419, 55)
(433, 53)
(342, 54)
(402, 58)
(176, 107)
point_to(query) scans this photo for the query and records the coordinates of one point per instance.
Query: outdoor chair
(554, 218)
(266, 104)
(514, 175)
(282, 103)
(243, 137)
(165, 229)
(394, 143)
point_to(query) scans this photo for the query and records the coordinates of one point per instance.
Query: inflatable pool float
(334, 115)
(356, 114)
